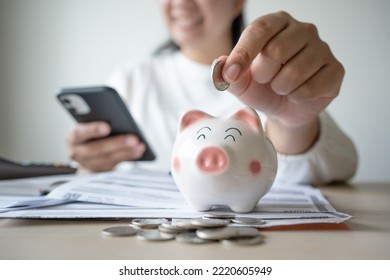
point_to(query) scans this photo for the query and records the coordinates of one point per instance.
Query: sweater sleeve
(332, 158)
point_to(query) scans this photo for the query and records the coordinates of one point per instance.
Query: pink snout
(212, 159)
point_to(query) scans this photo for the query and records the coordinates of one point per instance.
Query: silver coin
(218, 216)
(192, 238)
(200, 222)
(120, 231)
(171, 228)
(248, 221)
(154, 235)
(254, 240)
(184, 223)
(216, 76)
(226, 233)
(148, 223)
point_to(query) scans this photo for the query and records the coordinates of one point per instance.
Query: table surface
(365, 236)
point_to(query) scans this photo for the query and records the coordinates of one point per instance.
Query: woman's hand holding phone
(89, 145)
(106, 133)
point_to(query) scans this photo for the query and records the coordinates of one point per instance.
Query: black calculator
(13, 170)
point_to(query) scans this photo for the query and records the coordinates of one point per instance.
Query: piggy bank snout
(212, 159)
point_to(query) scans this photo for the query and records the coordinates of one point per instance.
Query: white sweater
(160, 89)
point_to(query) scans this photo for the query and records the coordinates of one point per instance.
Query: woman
(278, 66)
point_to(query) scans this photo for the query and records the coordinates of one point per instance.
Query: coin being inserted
(216, 75)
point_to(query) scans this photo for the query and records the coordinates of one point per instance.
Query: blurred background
(48, 44)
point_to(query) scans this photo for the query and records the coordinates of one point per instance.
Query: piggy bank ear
(249, 116)
(191, 117)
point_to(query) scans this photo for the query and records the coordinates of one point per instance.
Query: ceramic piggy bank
(223, 161)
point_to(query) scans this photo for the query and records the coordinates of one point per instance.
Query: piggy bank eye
(230, 136)
(202, 135)
(233, 130)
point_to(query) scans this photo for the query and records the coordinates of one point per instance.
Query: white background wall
(47, 44)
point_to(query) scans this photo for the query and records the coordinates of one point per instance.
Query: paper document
(35, 186)
(142, 193)
(139, 188)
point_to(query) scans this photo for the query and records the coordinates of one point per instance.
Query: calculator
(13, 170)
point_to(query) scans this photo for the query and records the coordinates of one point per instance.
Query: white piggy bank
(223, 161)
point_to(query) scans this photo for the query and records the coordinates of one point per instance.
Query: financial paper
(150, 194)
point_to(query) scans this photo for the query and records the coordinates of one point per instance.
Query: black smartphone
(102, 103)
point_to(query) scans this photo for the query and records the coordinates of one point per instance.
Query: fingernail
(232, 72)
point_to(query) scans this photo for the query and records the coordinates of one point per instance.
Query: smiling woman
(50, 44)
(291, 98)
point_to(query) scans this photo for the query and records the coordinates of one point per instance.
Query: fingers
(298, 70)
(106, 146)
(252, 41)
(325, 84)
(103, 158)
(278, 52)
(285, 55)
(84, 132)
(264, 68)
(88, 145)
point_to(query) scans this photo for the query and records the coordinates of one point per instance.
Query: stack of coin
(224, 228)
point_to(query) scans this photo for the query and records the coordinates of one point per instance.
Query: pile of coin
(224, 228)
